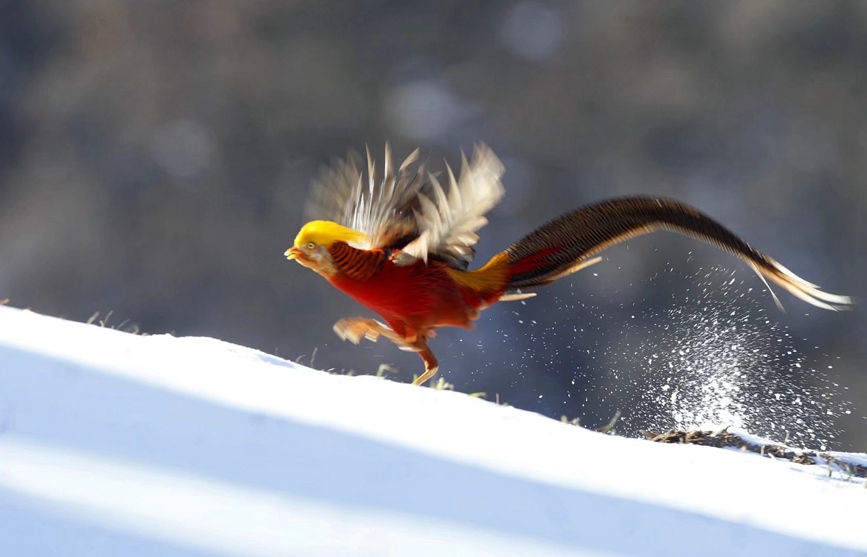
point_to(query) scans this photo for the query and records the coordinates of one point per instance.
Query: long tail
(568, 244)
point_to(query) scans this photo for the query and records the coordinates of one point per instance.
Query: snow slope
(116, 444)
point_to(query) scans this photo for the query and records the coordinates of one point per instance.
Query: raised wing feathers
(448, 222)
(382, 209)
(409, 209)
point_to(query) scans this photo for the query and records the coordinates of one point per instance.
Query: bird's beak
(293, 253)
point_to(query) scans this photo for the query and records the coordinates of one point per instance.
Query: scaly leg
(430, 363)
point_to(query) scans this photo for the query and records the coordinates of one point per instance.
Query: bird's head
(314, 240)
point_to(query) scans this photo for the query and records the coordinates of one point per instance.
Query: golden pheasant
(401, 245)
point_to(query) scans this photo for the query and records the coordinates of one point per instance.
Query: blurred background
(155, 158)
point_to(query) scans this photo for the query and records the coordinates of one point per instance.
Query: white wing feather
(410, 209)
(448, 222)
(382, 209)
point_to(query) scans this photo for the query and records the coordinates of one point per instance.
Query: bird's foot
(423, 378)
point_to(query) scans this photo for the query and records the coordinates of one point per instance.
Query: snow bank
(116, 444)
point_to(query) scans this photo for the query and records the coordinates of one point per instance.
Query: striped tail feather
(570, 242)
(800, 288)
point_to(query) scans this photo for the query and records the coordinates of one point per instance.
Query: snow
(117, 444)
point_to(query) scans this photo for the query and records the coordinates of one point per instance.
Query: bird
(401, 243)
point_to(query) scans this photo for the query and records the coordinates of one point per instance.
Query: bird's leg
(354, 329)
(430, 362)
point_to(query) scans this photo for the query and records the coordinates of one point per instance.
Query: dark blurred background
(155, 158)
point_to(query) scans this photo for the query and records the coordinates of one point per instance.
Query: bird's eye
(311, 245)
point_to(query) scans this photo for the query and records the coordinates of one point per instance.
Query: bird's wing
(448, 222)
(408, 208)
(381, 209)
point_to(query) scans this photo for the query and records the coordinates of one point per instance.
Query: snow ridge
(130, 445)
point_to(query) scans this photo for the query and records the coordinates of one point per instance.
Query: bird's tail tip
(800, 288)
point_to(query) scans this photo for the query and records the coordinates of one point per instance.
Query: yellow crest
(325, 233)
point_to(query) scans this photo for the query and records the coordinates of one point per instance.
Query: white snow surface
(117, 444)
